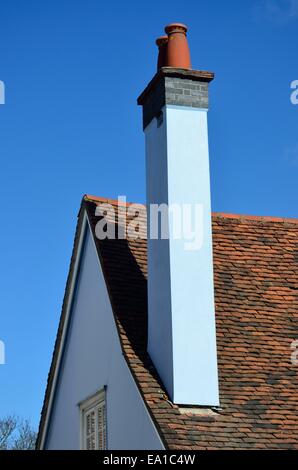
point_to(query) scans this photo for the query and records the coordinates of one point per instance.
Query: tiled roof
(256, 287)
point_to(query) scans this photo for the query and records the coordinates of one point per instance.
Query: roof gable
(256, 285)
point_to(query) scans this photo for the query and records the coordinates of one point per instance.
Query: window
(93, 422)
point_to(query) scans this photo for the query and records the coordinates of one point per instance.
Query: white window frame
(94, 403)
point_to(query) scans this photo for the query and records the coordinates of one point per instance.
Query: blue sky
(73, 70)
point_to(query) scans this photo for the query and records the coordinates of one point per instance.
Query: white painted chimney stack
(181, 316)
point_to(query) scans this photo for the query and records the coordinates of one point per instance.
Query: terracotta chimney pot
(162, 43)
(178, 54)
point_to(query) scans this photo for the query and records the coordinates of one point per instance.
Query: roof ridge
(224, 215)
(91, 198)
(255, 218)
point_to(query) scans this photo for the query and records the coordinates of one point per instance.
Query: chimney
(181, 317)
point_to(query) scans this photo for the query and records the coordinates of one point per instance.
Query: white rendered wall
(181, 338)
(159, 287)
(92, 359)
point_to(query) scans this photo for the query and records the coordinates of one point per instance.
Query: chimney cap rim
(161, 40)
(175, 27)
